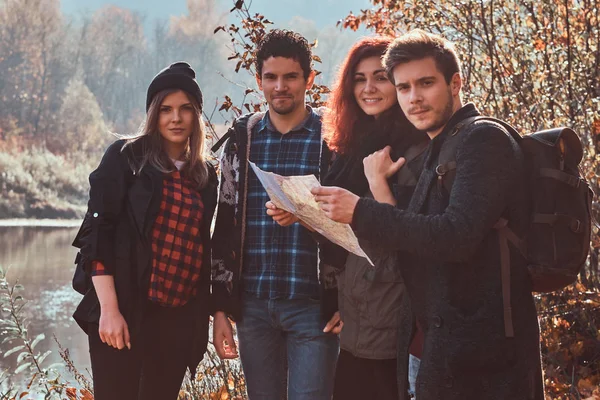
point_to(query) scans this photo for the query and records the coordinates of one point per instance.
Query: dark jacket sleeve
(487, 167)
(107, 193)
(224, 233)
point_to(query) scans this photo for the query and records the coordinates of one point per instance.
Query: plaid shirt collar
(309, 123)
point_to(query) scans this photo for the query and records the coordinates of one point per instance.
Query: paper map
(292, 194)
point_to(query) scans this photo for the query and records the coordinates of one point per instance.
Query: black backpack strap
(239, 125)
(223, 139)
(406, 177)
(446, 168)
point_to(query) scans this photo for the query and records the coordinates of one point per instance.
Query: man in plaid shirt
(265, 276)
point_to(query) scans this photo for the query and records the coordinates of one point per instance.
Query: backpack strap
(446, 168)
(446, 172)
(504, 233)
(406, 177)
(223, 139)
(241, 123)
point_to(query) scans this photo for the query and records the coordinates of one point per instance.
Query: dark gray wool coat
(451, 267)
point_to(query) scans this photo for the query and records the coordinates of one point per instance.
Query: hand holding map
(292, 194)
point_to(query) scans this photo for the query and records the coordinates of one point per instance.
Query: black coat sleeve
(488, 164)
(108, 188)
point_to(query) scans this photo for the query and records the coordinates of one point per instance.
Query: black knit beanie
(179, 75)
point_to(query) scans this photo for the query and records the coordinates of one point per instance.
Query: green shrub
(37, 183)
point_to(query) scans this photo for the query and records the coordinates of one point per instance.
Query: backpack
(82, 281)
(557, 241)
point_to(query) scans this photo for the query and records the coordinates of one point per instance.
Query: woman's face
(176, 119)
(373, 92)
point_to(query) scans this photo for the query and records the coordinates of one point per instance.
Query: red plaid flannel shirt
(176, 243)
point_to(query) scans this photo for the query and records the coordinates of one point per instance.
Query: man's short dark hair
(284, 43)
(417, 45)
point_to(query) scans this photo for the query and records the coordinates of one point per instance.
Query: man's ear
(258, 82)
(456, 84)
(311, 80)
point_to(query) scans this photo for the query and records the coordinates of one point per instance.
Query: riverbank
(51, 223)
(37, 184)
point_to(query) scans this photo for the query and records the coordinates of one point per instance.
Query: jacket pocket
(383, 291)
(81, 280)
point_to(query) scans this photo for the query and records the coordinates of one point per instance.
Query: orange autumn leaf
(222, 394)
(539, 44)
(596, 127)
(86, 395)
(72, 393)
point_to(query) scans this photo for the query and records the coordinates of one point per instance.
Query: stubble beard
(444, 116)
(283, 110)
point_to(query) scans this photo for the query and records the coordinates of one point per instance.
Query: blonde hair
(152, 143)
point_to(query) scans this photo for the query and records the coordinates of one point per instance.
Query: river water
(41, 259)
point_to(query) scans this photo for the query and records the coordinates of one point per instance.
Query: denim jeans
(413, 370)
(283, 340)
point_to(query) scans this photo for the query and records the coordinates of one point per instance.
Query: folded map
(292, 194)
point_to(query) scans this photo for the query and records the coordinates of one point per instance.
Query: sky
(323, 13)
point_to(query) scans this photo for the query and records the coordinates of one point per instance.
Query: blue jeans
(413, 370)
(283, 340)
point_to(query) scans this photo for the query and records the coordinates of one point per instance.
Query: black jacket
(451, 267)
(117, 231)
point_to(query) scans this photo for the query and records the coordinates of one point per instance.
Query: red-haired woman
(363, 116)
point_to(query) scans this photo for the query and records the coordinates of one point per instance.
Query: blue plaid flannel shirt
(280, 262)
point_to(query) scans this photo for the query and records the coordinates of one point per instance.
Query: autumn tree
(112, 55)
(32, 47)
(190, 37)
(81, 126)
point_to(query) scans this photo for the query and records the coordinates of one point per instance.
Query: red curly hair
(343, 113)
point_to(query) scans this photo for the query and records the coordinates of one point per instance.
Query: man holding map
(265, 276)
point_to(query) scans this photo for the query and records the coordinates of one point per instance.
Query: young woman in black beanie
(145, 247)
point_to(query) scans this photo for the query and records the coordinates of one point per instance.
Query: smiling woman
(363, 117)
(373, 91)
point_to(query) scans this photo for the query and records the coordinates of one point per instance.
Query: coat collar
(428, 176)
(466, 111)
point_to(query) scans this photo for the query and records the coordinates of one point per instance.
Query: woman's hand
(335, 324)
(379, 166)
(280, 216)
(113, 329)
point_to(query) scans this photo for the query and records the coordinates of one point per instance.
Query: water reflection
(41, 258)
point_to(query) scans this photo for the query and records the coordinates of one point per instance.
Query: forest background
(66, 82)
